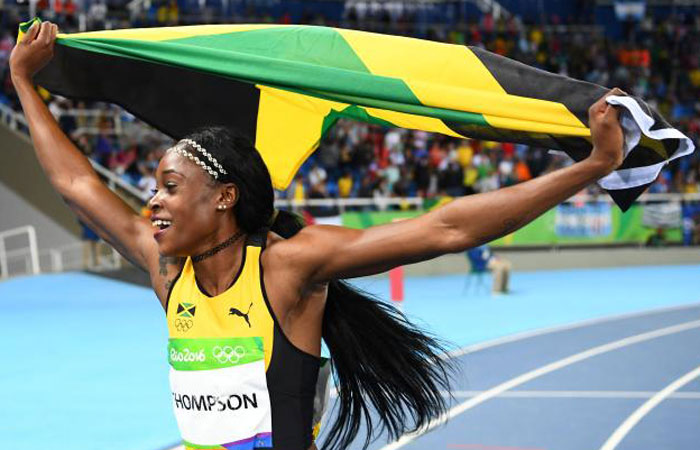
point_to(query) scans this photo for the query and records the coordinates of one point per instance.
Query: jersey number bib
(220, 394)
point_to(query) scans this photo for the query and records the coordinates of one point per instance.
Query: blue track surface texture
(85, 365)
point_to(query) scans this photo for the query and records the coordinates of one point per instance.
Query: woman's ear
(228, 196)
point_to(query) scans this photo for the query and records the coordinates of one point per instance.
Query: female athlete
(247, 308)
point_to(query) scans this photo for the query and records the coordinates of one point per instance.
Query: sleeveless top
(237, 382)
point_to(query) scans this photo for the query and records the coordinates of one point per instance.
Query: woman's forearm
(477, 219)
(61, 160)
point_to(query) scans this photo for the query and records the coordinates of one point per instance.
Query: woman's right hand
(34, 51)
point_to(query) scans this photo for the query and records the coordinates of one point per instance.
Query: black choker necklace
(213, 251)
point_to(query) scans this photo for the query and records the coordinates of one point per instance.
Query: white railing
(29, 253)
(12, 118)
(114, 181)
(73, 257)
(381, 203)
(92, 118)
(644, 198)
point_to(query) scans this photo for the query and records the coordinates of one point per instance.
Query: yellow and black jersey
(237, 382)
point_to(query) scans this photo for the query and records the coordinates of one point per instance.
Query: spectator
(345, 184)
(103, 148)
(317, 175)
(481, 258)
(91, 249)
(147, 184)
(296, 190)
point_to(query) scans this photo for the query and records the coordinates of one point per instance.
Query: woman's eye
(170, 187)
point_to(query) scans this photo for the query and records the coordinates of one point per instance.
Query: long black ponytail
(381, 362)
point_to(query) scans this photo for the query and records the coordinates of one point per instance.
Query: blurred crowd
(657, 60)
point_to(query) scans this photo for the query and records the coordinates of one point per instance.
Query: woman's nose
(153, 203)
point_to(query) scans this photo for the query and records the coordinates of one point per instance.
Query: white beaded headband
(199, 162)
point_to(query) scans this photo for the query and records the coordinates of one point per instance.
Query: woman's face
(184, 207)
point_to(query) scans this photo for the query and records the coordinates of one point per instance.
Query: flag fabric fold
(284, 86)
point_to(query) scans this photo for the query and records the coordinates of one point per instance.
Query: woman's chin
(166, 250)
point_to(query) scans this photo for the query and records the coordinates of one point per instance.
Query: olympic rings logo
(228, 354)
(183, 325)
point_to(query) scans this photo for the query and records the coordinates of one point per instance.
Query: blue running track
(85, 364)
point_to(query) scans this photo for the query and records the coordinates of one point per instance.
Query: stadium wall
(17, 212)
(27, 198)
(532, 260)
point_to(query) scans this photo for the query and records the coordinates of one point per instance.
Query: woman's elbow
(454, 240)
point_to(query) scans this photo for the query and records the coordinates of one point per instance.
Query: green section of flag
(323, 46)
(214, 353)
(24, 26)
(352, 112)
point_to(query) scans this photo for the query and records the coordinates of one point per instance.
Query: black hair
(245, 168)
(390, 375)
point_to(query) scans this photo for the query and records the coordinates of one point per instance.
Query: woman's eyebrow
(168, 171)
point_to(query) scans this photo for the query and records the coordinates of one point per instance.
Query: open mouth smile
(161, 225)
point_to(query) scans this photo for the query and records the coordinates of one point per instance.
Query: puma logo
(237, 312)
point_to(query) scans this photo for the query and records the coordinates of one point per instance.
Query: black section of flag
(625, 197)
(520, 79)
(182, 99)
(644, 156)
(488, 133)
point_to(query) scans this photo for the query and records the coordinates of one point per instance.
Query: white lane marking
(531, 375)
(643, 410)
(542, 331)
(548, 330)
(691, 395)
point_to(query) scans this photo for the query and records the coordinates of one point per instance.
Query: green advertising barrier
(567, 224)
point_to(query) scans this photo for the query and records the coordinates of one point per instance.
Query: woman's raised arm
(321, 253)
(67, 168)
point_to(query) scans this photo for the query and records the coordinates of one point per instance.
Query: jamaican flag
(285, 86)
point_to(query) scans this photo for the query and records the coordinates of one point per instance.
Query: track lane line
(634, 418)
(472, 348)
(692, 395)
(531, 375)
(566, 327)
